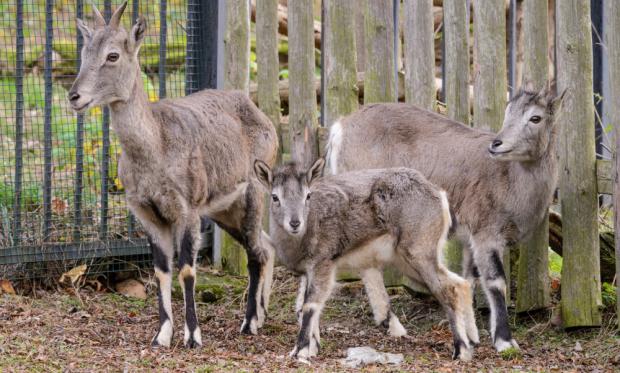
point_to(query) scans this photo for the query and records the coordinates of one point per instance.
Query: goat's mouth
(496, 154)
(83, 107)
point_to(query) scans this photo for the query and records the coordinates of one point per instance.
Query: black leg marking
(251, 310)
(190, 311)
(475, 271)
(498, 266)
(160, 261)
(303, 340)
(502, 330)
(186, 254)
(386, 323)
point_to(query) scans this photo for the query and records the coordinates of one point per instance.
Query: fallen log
(606, 241)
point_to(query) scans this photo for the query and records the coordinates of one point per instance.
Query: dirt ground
(93, 330)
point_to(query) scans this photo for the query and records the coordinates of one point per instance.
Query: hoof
(463, 352)
(502, 345)
(251, 327)
(193, 344)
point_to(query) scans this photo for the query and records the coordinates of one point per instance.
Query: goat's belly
(375, 253)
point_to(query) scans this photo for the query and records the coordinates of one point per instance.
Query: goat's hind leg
(380, 302)
(188, 241)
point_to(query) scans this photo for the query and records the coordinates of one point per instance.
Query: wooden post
(456, 27)
(581, 288)
(419, 54)
(360, 40)
(302, 100)
(611, 14)
(268, 64)
(379, 82)
(341, 92)
(490, 77)
(456, 39)
(236, 76)
(533, 271)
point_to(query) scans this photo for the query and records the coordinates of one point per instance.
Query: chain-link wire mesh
(61, 201)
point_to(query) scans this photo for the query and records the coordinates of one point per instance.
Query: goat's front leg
(488, 260)
(188, 239)
(380, 302)
(320, 283)
(162, 250)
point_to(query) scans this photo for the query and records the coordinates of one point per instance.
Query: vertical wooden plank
(611, 16)
(360, 40)
(237, 45)
(490, 77)
(456, 87)
(379, 82)
(236, 76)
(456, 26)
(533, 271)
(339, 48)
(419, 54)
(581, 271)
(302, 100)
(268, 63)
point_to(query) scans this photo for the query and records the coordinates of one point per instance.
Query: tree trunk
(341, 93)
(533, 271)
(302, 115)
(268, 64)
(419, 54)
(611, 13)
(380, 85)
(236, 76)
(490, 77)
(581, 288)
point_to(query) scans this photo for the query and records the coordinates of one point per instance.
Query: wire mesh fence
(61, 201)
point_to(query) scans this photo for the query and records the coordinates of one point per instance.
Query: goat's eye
(275, 198)
(535, 119)
(112, 57)
(308, 196)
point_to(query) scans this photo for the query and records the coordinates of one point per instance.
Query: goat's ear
(315, 171)
(86, 31)
(263, 173)
(136, 35)
(529, 86)
(555, 104)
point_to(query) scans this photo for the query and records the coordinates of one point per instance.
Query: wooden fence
(369, 30)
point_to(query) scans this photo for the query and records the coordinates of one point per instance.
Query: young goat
(182, 159)
(499, 185)
(363, 220)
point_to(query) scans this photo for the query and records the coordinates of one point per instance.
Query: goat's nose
(496, 144)
(74, 96)
(295, 223)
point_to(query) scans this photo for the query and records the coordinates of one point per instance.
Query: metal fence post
(205, 44)
(79, 143)
(47, 128)
(19, 120)
(163, 29)
(105, 150)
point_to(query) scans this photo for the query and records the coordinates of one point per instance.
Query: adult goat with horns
(182, 159)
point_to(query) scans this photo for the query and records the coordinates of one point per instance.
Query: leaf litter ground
(92, 330)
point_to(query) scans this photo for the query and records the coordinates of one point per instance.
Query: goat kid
(181, 159)
(499, 185)
(363, 220)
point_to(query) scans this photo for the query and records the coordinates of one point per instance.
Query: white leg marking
(396, 329)
(164, 337)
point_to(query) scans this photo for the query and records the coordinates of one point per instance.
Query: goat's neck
(133, 122)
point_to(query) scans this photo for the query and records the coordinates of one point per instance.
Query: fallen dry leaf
(6, 287)
(74, 274)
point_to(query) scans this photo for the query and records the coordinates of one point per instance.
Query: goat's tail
(334, 147)
(448, 224)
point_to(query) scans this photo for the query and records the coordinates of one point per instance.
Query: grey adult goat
(181, 159)
(499, 185)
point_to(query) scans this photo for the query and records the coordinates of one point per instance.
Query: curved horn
(99, 20)
(116, 17)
